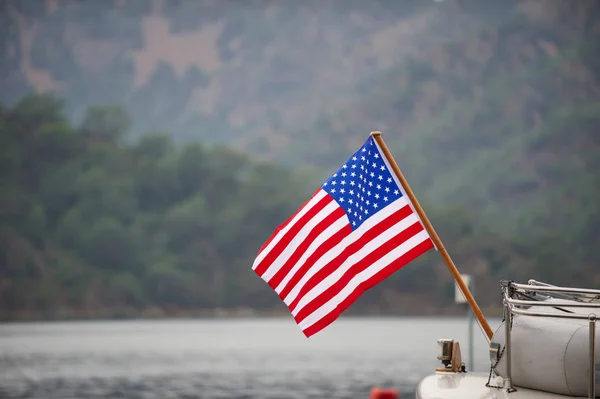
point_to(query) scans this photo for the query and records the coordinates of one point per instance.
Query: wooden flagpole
(436, 239)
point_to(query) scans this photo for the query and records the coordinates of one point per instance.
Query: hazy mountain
(486, 104)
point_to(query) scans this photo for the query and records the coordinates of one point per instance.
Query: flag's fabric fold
(357, 229)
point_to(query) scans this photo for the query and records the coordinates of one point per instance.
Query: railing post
(507, 350)
(592, 374)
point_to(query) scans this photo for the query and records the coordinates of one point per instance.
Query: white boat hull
(447, 385)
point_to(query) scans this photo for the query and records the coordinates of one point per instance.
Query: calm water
(253, 358)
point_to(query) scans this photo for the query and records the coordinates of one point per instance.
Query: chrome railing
(519, 297)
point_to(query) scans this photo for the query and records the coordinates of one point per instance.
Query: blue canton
(363, 185)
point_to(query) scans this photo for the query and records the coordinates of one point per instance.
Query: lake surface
(234, 358)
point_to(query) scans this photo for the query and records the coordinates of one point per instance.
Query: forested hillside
(148, 148)
(89, 224)
(92, 225)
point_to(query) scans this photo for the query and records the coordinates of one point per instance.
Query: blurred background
(148, 148)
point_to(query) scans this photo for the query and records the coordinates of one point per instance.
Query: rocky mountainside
(210, 69)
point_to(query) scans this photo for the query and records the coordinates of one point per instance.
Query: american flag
(357, 229)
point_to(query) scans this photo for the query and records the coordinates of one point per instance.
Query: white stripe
(335, 251)
(298, 239)
(369, 247)
(363, 276)
(317, 197)
(324, 236)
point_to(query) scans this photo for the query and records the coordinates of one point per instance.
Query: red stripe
(280, 246)
(350, 250)
(301, 249)
(357, 268)
(367, 284)
(284, 224)
(327, 245)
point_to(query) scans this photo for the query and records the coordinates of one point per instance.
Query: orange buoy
(383, 393)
